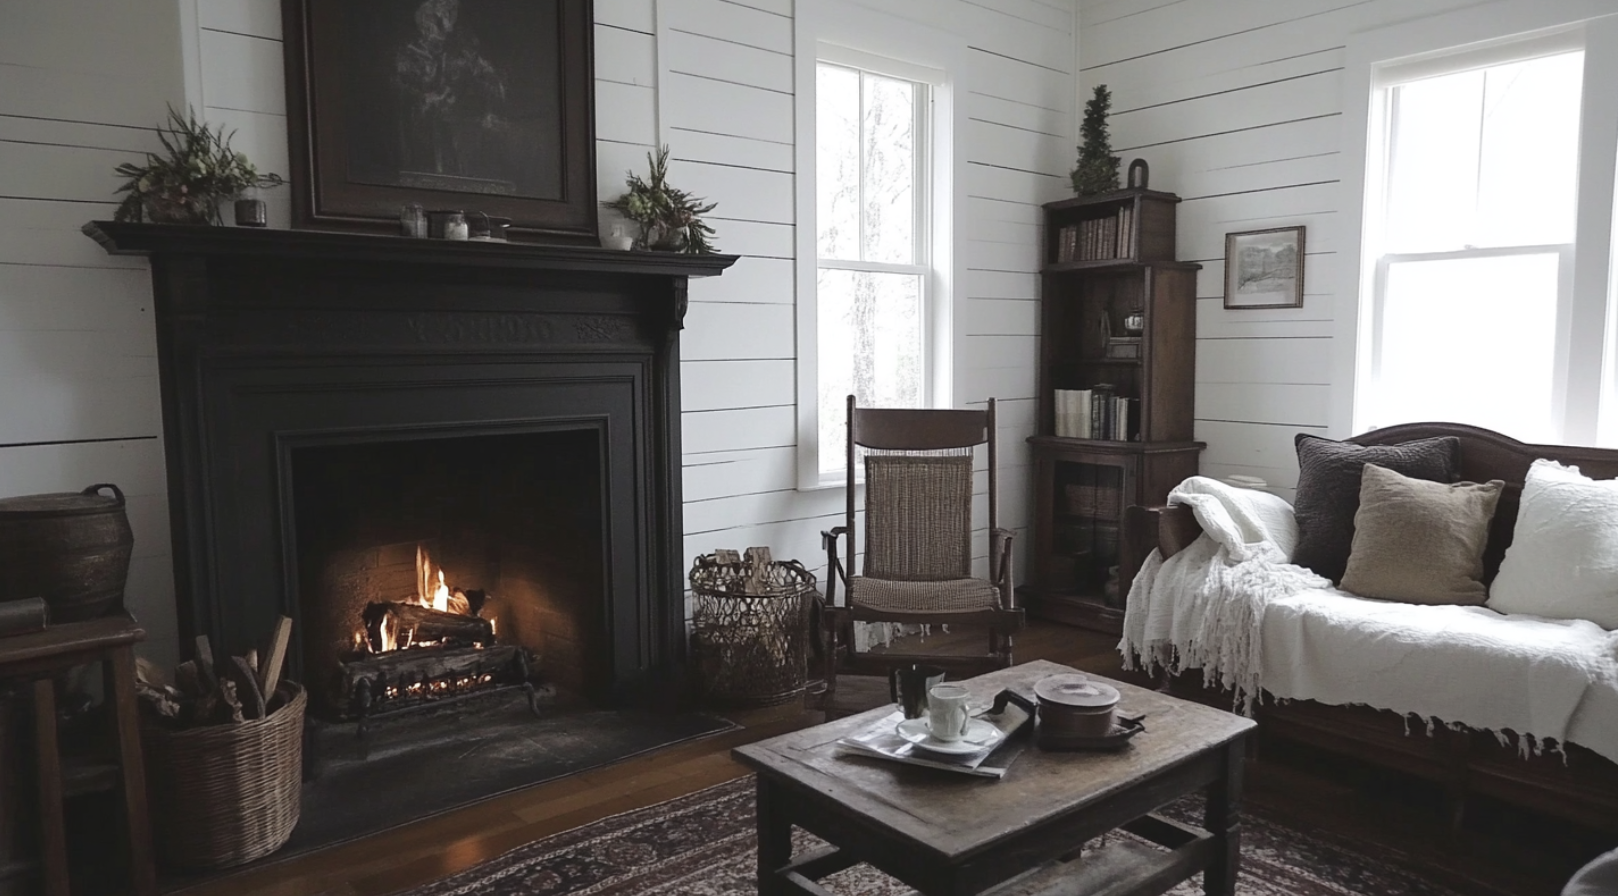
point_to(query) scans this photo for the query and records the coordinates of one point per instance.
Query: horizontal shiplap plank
(44, 298)
(244, 73)
(721, 385)
(731, 22)
(723, 149)
(1280, 404)
(994, 382)
(751, 280)
(760, 238)
(1020, 256)
(628, 57)
(760, 509)
(733, 430)
(1280, 361)
(720, 107)
(998, 317)
(1251, 444)
(1012, 185)
(717, 332)
(46, 232)
(1001, 285)
(626, 113)
(743, 193)
(637, 15)
(706, 57)
(1010, 147)
(260, 18)
(724, 473)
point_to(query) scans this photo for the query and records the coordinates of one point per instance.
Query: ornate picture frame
(476, 105)
(1264, 268)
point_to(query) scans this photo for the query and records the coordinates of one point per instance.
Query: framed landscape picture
(1264, 268)
(475, 105)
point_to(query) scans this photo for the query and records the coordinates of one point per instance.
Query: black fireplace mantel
(274, 340)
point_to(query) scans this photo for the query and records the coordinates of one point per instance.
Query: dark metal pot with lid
(71, 548)
(1071, 705)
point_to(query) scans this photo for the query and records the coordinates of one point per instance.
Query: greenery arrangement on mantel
(670, 219)
(186, 187)
(1097, 169)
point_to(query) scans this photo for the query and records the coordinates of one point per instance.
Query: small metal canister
(413, 221)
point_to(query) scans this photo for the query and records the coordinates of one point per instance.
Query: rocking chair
(917, 558)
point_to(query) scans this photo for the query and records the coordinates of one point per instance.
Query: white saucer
(980, 735)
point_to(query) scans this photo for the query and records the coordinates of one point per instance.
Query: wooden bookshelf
(1109, 263)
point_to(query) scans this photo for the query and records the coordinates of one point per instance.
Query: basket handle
(117, 493)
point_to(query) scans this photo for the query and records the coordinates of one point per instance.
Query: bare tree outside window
(872, 276)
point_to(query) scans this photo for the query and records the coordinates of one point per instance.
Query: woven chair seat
(946, 596)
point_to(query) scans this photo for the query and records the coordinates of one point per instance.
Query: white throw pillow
(1563, 559)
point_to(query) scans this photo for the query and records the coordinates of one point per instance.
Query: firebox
(433, 569)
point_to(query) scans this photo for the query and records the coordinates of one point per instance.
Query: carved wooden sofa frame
(1583, 789)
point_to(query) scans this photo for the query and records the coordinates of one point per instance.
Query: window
(1471, 229)
(873, 280)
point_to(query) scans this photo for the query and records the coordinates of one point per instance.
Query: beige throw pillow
(1418, 541)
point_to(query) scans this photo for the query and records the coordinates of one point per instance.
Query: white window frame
(859, 37)
(1468, 39)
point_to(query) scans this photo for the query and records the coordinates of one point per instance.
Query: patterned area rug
(703, 845)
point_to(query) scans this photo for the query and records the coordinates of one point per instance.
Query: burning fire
(433, 592)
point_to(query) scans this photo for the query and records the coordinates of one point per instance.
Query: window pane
(837, 161)
(1472, 341)
(889, 135)
(1485, 158)
(1432, 165)
(1529, 170)
(870, 334)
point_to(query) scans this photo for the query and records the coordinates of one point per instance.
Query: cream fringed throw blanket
(1204, 607)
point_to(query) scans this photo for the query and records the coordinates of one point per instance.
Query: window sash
(921, 237)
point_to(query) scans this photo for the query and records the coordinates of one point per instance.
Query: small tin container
(1071, 705)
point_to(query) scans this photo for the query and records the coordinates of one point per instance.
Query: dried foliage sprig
(199, 171)
(669, 218)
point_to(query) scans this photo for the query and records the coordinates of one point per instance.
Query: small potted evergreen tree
(1097, 169)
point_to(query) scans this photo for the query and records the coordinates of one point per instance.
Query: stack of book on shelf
(1098, 239)
(1097, 413)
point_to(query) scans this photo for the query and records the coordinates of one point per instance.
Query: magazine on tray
(882, 740)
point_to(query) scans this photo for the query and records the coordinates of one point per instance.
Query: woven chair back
(918, 515)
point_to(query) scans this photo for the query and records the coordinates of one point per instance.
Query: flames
(433, 592)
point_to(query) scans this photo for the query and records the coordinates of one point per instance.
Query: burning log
(425, 625)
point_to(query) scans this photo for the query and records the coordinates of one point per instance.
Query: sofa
(1565, 780)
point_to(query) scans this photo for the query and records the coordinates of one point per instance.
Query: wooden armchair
(917, 557)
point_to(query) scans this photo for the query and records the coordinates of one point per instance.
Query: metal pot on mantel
(71, 548)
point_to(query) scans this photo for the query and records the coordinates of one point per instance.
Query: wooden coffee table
(954, 835)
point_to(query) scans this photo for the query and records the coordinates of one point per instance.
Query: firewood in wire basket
(187, 680)
(205, 671)
(165, 702)
(426, 624)
(269, 671)
(246, 680)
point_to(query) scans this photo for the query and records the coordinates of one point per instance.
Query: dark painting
(479, 105)
(459, 95)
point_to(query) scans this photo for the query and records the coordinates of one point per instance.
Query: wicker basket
(224, 795)
(751, 649)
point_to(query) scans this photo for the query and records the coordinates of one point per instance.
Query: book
(881, 740)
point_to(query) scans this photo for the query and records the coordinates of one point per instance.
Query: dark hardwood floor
(1313, 797)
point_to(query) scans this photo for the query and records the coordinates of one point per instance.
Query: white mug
(946, 712)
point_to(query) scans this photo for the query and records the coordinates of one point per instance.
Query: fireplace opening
(435, 569)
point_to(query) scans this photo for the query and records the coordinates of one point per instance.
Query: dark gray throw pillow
(1329, 490)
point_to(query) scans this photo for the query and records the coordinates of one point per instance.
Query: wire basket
(750, 628)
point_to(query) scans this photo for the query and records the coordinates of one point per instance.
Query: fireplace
(436, 568)
(340, 409)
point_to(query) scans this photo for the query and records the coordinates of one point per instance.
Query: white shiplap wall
(81, 84)
(82, 81)
(1237, 105)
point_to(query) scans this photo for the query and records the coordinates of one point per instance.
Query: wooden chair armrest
(834, 564)
(1169, 528)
